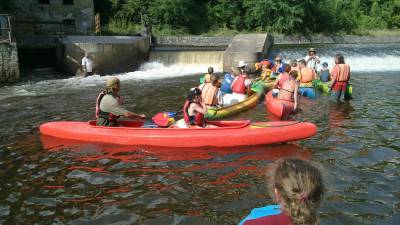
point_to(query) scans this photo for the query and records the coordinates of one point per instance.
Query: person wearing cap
(306, 76)
(324, 73)
(265, 69)
(241, 66)
(87, 64)
(312, 59)
(108, 105)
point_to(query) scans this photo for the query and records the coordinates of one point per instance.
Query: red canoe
(227, 134)
(279, 108)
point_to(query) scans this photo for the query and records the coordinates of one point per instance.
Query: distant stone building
(50, 16)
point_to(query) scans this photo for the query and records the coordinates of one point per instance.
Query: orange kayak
(279, 108)
(226, 134)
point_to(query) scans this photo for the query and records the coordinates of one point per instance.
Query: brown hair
(287, 68)
(214, 79)
(300, 188)
(293, 74)
(302, 61)
(340, 58)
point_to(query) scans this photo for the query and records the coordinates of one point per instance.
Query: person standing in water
(312, 59)
(298, 188)
(87, 64)
(109, 105)
(340, 76)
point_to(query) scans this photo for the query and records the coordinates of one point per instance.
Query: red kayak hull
(279, 108)
(228, 134)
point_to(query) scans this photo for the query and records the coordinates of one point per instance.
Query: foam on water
(148, 71)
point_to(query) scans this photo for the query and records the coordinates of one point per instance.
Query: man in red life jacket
(108, 105)
(340, 76)
(242, 83)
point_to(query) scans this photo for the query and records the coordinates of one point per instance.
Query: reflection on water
(63, 182)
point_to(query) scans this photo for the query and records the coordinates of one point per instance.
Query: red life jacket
(101, 114)
(239, 85)
(198, 119)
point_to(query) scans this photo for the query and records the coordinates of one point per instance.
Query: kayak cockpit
(142, 124)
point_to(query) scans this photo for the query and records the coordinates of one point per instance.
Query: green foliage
(230, 17)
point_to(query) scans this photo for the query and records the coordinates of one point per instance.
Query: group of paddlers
(290, 79)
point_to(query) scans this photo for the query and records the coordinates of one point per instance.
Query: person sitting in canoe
(241, 85)
(265, 66)
(324, 73)
(194, 109)
(284, 76)
(340, 76)
(207, 78)
(278, 67)
(226, 87)
(211, 93)
(108, 105)
(298, 188)
(312, 59)
(306, 76)
(289, 89)
(294, 66)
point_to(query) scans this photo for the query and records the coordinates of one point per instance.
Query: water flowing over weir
(194, 58)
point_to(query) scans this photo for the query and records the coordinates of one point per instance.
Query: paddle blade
(163, 119)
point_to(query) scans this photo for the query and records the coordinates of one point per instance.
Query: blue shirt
(226, 83)
(324, 75)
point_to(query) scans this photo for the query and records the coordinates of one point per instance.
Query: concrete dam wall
(9, 67)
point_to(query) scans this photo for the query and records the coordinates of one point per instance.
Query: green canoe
(324, 87)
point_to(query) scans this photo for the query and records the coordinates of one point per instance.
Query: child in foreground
(298, 188)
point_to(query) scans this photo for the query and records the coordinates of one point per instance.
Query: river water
(84, 183)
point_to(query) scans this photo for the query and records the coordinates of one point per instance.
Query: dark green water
(357, 145)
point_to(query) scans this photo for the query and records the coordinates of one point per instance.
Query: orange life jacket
(341, 72)
(209, 94)
(306, 74)
(239, 85)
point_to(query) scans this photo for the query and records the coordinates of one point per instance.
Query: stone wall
(9, 68)
(193, 41)
(345, 39)
(111, 54)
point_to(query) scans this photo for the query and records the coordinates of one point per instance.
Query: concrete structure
(250, 48)
(323, 39)
(193, 41)
(46, 16)
(9, 68)
(111, 54)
